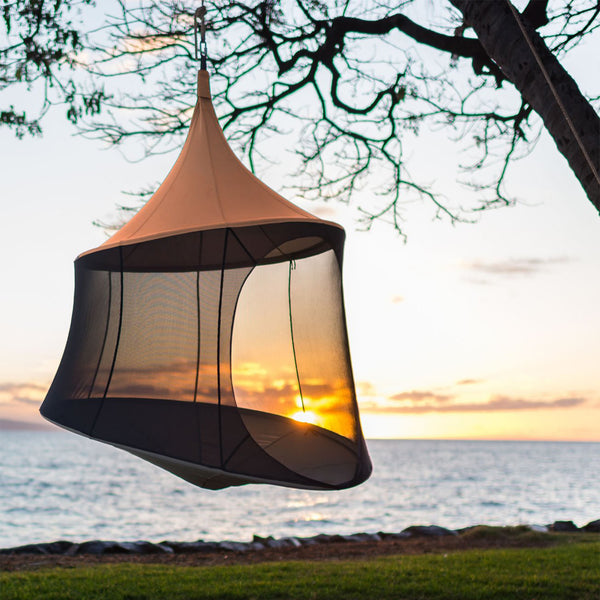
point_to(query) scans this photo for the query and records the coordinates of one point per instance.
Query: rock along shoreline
(99, 547)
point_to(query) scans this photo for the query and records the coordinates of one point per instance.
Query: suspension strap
(199, 21)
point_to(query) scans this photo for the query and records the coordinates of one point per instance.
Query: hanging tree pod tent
(208, 334)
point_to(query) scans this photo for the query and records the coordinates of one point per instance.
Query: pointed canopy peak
(207, 188)
(203, 84)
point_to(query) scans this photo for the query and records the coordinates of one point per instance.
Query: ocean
(59, 486)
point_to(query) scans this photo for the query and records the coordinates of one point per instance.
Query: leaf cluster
(41, 41)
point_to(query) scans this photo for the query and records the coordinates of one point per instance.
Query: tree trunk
(501, 36)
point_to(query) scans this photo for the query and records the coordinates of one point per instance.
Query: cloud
(20, 401)
(495, 404)
(22, 392)
(417, 396)
(507, 403)
(27, 400)
(365, 388)
(469, 381)
(513, 266)
(11, 387)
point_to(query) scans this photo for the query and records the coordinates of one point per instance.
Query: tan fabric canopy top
(207, 188)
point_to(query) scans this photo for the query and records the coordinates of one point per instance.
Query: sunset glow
(305, 417)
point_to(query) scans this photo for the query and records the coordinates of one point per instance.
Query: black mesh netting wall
(220, 355)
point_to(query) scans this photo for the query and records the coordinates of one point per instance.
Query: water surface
(56, 485)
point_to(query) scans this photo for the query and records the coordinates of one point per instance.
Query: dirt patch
(317, 552)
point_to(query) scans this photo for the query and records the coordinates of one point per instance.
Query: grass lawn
(566, 571)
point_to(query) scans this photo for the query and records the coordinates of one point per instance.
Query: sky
(468, 331)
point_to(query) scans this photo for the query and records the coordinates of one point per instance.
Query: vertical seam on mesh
(291, 268)
(198, 333)
(248, 436)
(198, 330)
(240, 288)
(234, 312)
(219, 346)
(114, 360)
(105, 336)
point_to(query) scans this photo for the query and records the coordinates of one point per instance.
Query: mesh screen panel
(221, 356)
(321, 345)
(158, 345)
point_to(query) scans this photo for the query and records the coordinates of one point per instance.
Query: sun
(307, 416)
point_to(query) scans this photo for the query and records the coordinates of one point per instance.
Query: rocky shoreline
(108, 548)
